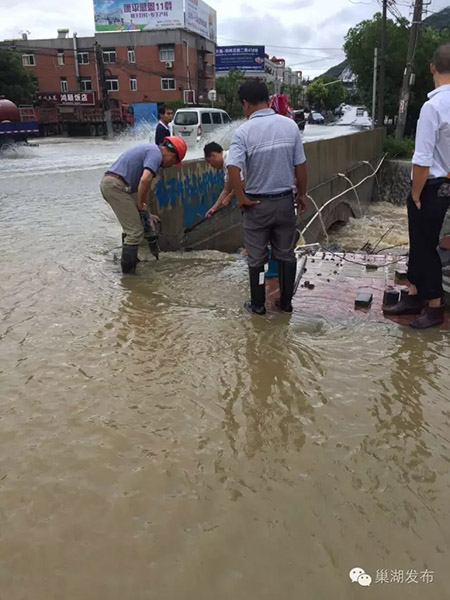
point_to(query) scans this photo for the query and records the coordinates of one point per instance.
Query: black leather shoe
(408, 305)
(433, 315)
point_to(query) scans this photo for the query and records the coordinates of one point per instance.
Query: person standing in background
(165, 115)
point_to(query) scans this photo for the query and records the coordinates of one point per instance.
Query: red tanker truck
(14, 129)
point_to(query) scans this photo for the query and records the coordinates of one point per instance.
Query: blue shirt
(433, 133)
(131, 164)
(266, 148)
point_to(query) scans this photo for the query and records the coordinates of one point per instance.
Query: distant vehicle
(13, 127)
(77, 113)
(360, 111)
(194, 123)
(316, 118)
(300, 119)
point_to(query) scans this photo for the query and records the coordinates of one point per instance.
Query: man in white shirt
(429, 200)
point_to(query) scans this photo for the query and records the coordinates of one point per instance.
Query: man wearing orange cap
(126, 187)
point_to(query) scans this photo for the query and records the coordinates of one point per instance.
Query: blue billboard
(241, 58)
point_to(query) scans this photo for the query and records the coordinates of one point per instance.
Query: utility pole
(408, 77)
(102, 80)
(382, 67)
(374, 90)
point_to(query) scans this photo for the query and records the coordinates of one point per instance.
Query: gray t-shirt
(131, 164)
(266, 148)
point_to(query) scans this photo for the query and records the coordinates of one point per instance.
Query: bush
(399, 148)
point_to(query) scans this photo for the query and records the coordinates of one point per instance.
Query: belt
(272, 196)
(110, 174)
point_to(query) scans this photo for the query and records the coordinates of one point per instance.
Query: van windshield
(186, 118)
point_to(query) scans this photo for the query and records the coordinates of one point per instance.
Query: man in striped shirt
(269, 149)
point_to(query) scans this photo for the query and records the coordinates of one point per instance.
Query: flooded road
(159, 444)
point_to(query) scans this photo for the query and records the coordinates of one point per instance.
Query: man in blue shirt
(126, 186)
(428, 201)
(269, 149)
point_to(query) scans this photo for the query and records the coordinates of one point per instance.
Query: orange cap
(179, 145)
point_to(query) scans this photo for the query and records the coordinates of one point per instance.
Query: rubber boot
(257, 291)
(129, 259)
(408, 305)
(286, 278)
(433, 315)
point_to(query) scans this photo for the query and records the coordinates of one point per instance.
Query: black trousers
(425, 267)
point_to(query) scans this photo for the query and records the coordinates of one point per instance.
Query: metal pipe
(75, 58)
(340, 196)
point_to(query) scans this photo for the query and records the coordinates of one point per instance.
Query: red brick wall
(148, 70)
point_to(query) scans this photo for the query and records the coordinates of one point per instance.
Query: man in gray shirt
(269, 148)
(126, 186)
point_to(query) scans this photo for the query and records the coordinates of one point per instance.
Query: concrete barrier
(182, 196)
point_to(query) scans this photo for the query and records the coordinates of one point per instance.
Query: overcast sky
(308, 33)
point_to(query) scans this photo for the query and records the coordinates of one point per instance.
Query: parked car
(194, 123)
(299, 118)
(316, 118)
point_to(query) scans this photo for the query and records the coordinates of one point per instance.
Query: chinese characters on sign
(241, 58)
(121, 15)
(85, 98)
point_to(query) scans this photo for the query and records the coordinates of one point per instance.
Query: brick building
(140, 66)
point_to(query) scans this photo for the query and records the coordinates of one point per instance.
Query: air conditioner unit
(169, 65)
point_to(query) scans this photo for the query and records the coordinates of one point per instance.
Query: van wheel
(100, 129)
(92, 130)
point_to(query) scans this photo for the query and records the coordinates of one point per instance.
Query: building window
(167, 54)
(60, 58)
(64, 86)
(133, 84)
(83, 58)
(109, 56)
(167, 83)
(28, 60)
(112, 84)
(131, 55)
(86, 85)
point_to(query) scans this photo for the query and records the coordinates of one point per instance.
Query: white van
(192, 124)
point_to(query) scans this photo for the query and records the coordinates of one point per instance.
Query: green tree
(359, 46)
(317, 94)
(228, 88)
(336, 92)
(16, 83)
(295, 94)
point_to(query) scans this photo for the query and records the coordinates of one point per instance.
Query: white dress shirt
(433, 133)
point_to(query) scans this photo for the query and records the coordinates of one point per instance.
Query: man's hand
(301, 201)
(244, 201)
(154, 221)
(416, 200)
(212, 211)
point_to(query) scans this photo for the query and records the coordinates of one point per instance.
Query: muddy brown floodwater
(157, 443)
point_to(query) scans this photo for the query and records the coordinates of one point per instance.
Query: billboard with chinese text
(241, 58)
(117, 15)
(201, 19)
(122, 15)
